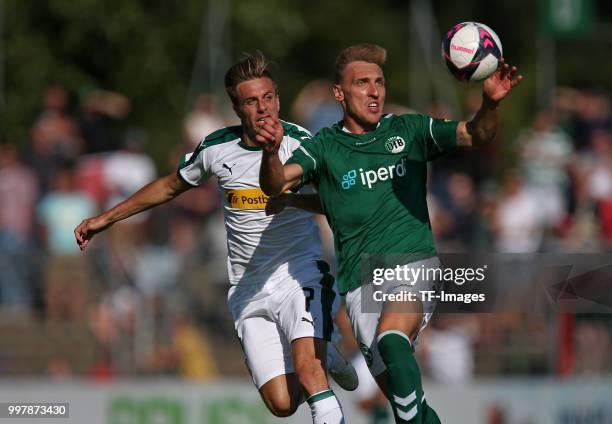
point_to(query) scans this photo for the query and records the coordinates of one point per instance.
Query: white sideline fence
(153, 401)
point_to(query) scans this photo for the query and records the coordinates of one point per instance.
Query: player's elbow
(268, 190)
(174, 186)
(476, 135)
(484, 137)
(271, 188)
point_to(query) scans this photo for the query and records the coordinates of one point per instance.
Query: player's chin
(372, 118)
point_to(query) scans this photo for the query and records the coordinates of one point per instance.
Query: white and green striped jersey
(259, 246)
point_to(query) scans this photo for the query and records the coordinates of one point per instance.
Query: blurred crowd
(548, 190)
(148, 298)
(132, 303)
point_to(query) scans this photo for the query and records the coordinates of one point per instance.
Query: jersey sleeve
(309, 156)
(436, 137)
(195, 167)
(294, 137)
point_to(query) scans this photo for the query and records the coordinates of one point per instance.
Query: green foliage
(144, 50)
(147, 50)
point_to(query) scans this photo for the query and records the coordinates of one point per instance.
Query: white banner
(533, 401)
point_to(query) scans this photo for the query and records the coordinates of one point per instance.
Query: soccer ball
(471, 51)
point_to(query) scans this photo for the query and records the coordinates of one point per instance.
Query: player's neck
(248, 139)
(355, 127)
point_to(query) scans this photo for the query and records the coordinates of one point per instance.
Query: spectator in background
(98, 110)
(591, 113)
(517, 219)
(449, 348)
(545, 152)
(125, 171)
(55, 135)
(441, 222)
(187, 352)
(66, 272)
(202, 120)
(599, 181)
(128, 169)
(315, 107)
(189, 214)
(191, 223)
(456, 215)
(114, 323)
(59, 208)
(589, 175)
(191, 352)
(18, 196)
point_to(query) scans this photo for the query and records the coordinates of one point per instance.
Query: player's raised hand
(88, 228)
(270, 134)
(498, 85)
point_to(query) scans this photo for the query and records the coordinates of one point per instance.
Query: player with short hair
(371, 170)
(281, 293)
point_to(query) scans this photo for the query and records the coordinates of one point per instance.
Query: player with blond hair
(371, 170)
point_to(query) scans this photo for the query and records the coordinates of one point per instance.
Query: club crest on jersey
(395, 144)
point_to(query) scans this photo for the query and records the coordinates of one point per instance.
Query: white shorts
(268, 318)
(365, 324)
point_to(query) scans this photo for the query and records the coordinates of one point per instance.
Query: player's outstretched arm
(274, 177)
(159, 191)
(307, 202)
(482, 128)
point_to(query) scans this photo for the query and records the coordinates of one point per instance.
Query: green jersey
(373, 187)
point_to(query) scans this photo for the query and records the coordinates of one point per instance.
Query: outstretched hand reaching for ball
(498, 85)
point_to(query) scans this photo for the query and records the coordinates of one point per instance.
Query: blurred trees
(147, 50)
(141, 49)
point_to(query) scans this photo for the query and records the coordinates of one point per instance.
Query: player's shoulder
(421, 122)
(331, 131)
(404, 117)
(296, 131)
(221, 136)
(409, 121)
(417, 118)
(218, 140)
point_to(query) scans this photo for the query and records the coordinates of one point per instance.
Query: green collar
(365, 138)
(245, 146)
(339, 126)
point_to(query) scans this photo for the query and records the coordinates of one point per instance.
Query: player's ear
(338, 93)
